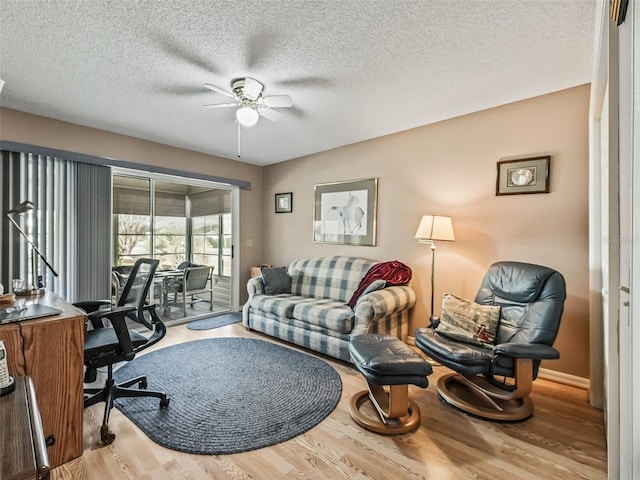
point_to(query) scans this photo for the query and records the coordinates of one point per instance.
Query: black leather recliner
(531, 298)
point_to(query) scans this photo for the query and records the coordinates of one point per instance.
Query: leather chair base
(380, 423)
(460, 393)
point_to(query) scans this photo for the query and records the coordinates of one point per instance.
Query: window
(211, 242)
(131, 219)
(134, 238)
(170, 224)
(186, 223)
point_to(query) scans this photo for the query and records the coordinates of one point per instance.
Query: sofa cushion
(281, 305)
(328, 277)
(326, 313)
(276, 280)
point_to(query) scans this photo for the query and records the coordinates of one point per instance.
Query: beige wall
(446, 168)
(44, 132)
(449, 168)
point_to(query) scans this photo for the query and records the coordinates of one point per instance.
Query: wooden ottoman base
(396, 412)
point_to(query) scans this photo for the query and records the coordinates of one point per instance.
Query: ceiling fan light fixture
(247, 116)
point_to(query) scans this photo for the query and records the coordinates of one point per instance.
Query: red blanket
(394, 273)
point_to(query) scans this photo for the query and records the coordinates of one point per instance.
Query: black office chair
(106, 346)
(531, 300)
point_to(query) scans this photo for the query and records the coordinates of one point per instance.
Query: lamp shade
(247, 116)
(435, 227)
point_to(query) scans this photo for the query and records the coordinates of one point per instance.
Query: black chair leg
(106, 435)
(123, 390)
(103, 395)
(141, 381)
(111, 392)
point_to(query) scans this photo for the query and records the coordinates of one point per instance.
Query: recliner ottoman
(389, 365)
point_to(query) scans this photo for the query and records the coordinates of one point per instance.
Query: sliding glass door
(175, 221)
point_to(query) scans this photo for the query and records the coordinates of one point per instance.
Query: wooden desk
(50, 350)
(23, 452)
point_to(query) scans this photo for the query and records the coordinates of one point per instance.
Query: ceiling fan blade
(278, 101)
(252, 88)
(270, 114)
(216, 105)
(219, 90)
(181, 52)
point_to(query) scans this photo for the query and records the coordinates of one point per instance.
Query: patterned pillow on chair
(468, 321)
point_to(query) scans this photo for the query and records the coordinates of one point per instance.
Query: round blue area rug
(230, 395)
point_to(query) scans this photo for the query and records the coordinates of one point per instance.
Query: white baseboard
(552, 375)
(564, 378)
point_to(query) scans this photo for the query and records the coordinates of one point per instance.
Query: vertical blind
(70, 223)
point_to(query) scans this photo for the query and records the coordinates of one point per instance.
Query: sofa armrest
(255, 286)
(381, 303)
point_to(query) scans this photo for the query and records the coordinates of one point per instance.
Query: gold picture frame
(521, 176)
(345, 213)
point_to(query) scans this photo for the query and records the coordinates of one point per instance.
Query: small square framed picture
(284, 202)
(525, 175)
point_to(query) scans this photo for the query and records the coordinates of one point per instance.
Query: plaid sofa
(315, 314)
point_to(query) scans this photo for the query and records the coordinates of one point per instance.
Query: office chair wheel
(142, 384)
(106, 435)
(164, 403)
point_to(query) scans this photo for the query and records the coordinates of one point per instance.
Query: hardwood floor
(563, 440)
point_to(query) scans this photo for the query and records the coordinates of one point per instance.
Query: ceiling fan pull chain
(238, 139)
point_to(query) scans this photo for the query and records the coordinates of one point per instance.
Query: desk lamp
(32, 289)
(432, 228)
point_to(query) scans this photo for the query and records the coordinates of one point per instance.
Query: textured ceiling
(356, 69)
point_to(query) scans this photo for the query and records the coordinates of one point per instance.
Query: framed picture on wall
(345, 212)
(284, 202)
(525, 175)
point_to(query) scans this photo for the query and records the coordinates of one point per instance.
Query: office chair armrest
(118, 318)
(90, 306)
(159, 328)
(534, 351)
(141, 318)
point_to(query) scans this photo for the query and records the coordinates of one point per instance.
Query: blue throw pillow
(276, 280)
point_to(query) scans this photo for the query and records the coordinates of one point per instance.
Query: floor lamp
(34, 288)
(432, 228)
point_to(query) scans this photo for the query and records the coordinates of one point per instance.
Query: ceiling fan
(247, 95)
